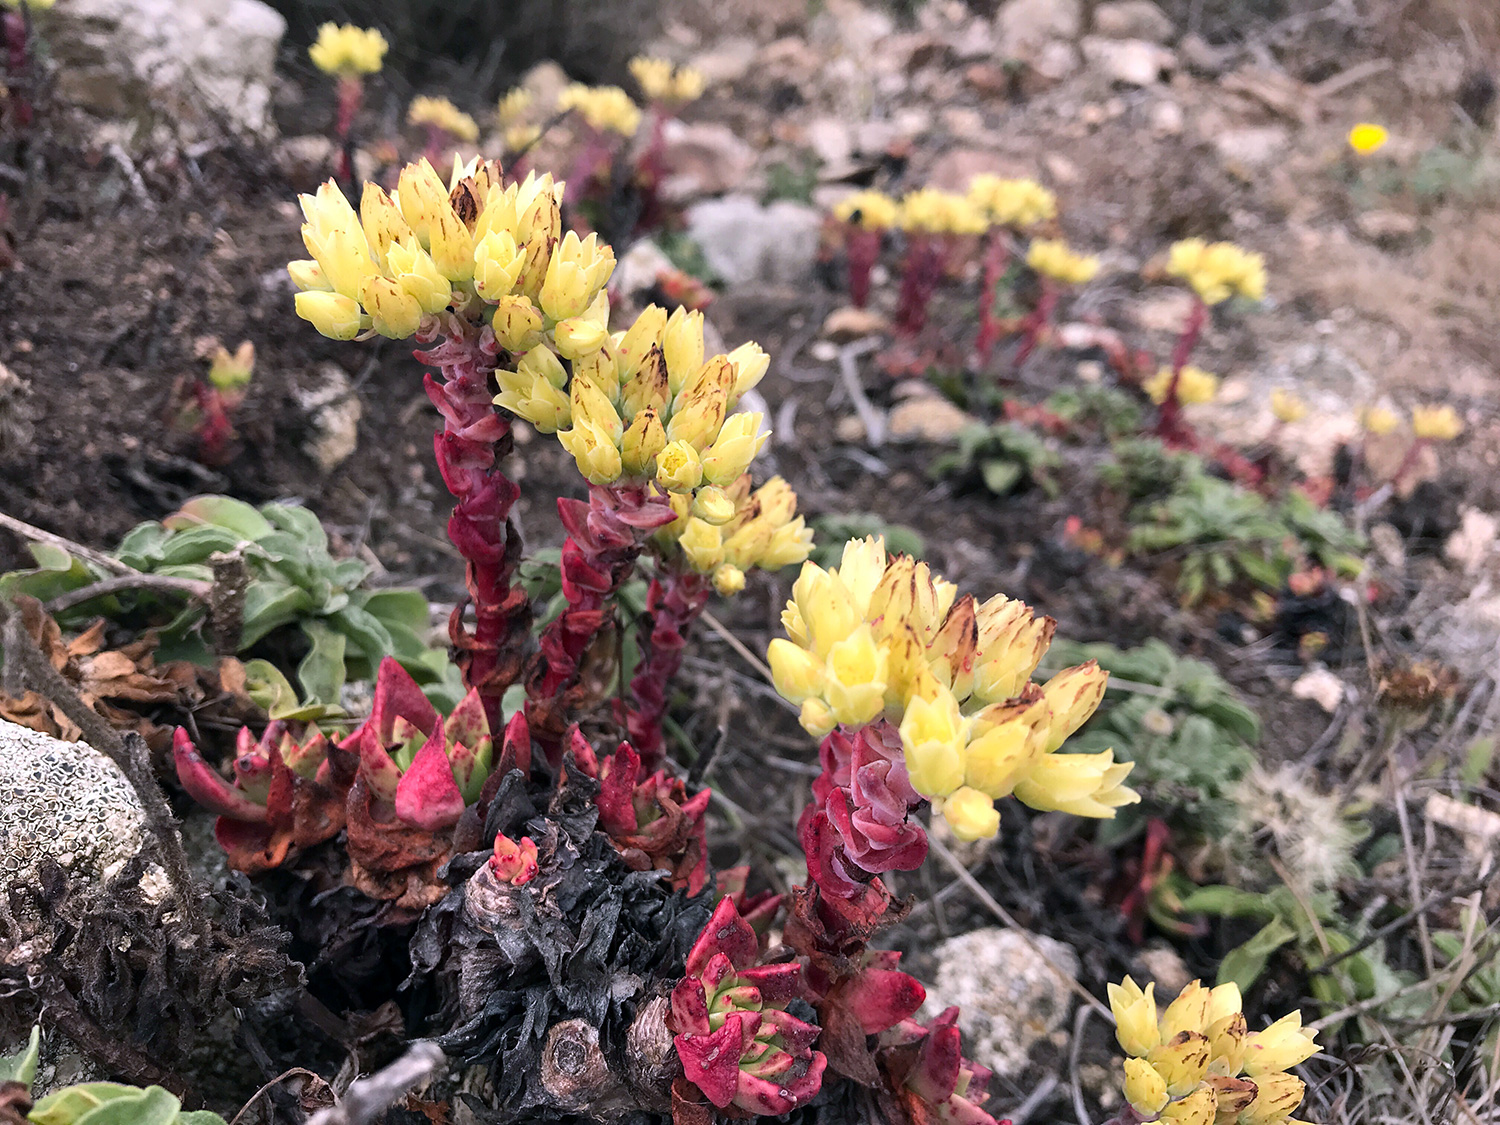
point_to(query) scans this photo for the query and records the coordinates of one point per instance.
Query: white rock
(1474, 541)
(190, 63)
(1253, 146)
(640, 268)
(703, 158)
(1133, 19)
(333, 410)
(1135, 62)
(1009, 995)
(63, 801)
(745, 242)
(928, 417)
(728, 62)
(1167, 118)
(1322, 687)
(1024, 27)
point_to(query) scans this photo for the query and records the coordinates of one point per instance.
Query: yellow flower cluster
(1052, 258)
(1436, 423)
(1366, 138)
(607, 109)
(725, 531)
(884, 637)
(440, 113)
(518, 138)
(1218, 270)
(513, 105)
(1199, 1064)
(1194, 386)
(1379, 419)
(870, 209)
(1019, 204)
(660, 81)
(930, 211)
(348, 50)
(642, 403)
(490, 250)
(1287, 407)
(34, 5)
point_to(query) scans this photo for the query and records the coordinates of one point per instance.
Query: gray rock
(1135, 62)
(1024, 27)
(334, 411)
(1133, 19)
(703, 158)
(63, 801)
(1254, 145)
(1009, 997)
(745, 242)
(197, 66)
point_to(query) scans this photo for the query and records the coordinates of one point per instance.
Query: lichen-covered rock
(1009, 997)
(63, 801)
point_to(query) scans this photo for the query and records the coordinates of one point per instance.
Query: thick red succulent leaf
(583, 752)
(251, 848)
(396, 693)
(712, 1062)
(206, 786)
(575, 518)
(961, 1111)
(690, 1007)
(718, 971)
(777, 983)
(515, 749)
(617, 791)
(938, 1060)
(467, 723)
(881, 998)
(727, 933)
(305, 759)
(797, 1086)
(796, 1035)
(427, 797)
(280, 796)
(514, 861)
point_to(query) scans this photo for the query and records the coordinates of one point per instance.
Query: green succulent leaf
(223, 512)
(21, 1067)
(1244, 964)
(274, 694)
(399, 607)
(196, 544)
(269, 605)
(321, 672)
(71, 1105)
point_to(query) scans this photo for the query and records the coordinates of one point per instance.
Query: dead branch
(366, 1099)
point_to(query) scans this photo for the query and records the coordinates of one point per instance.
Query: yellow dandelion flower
(1366, 138)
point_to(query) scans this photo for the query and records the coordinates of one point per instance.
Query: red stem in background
(605, 537)
(920, 274)
(351, 94)
(1037, 320)
(473, 439)
(1409, 461)
(591, 156)
(1171, 426)
(862, 248)
(996, 258)
(675, 601)
(214, 428)
(18, 63)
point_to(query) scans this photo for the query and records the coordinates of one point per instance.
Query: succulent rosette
(653, 822)
(736, 1041)
(931, 1079)
(285, 793)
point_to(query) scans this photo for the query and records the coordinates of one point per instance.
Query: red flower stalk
(862, 247)
(1037, 320)
(285, 794)
(653, 822)
(675, 600)
(932, 1081)
(735, 1039)
(351, 93)
(996, 257)
(858, 824)
(514, 862)
(473, 440)
(605, 537)
(920, 274)
(1171, 426)
(17, 27)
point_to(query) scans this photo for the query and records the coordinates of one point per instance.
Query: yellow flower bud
(308, 275)
(739, 440)
(543, 361)
(678, 468)
(791, 543)
(932, 734)
(703, 544)
(795, 672)
(1135, 1017)
(598, 367)
(825, 606)
(816, 719)
(497, 265)
(714, 505)
(999, 758)
(854, 678)
(644, 439)
(532, 396)
(593, 405)
(1379, 419)
(452, 246)
(578, 270)
(578, 337)
(517, 324)
(750, 366)
(1232, 1096)
(1198, 1108)
(393, 311)
(382, 221)
(1223, 1000)
(421, 196)
(970, 814)
(1279, 1047)
(698, 420)
(1194, 385)
(536, 256)
(1052, 258)
(1189, 1012)
(729, 580)
(1226, 1041)
(640, 338)
(1276, 1095)
(343, 255)
(1144, 1088)
(593, 448)
(1072, 696)
(682, 346)
(1182, 1061)
(416, 272)
(1079, 784)
(1012, 642)
(334, 315)
(646, 386)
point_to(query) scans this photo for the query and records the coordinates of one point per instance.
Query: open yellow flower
(1436, 423)
(440, 113)
(1052, 258)
(872, 210)
(1019, 204)
(1379, 419)
(345, 51)
(1218, 270)
(1194, 386)
(1366, 138)
(607, 109)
